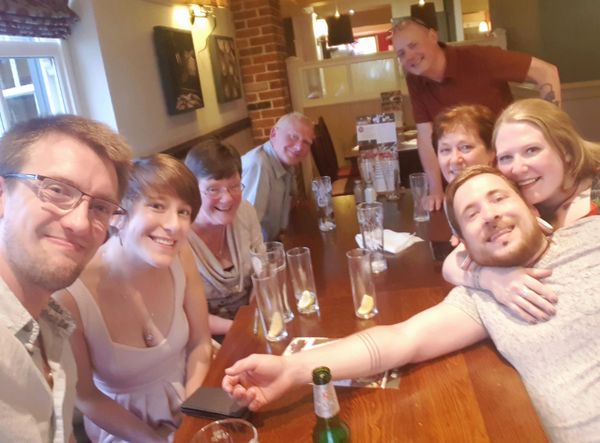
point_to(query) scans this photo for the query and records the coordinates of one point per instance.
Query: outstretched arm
(260, 379)
(102, 410)
(545, 75)
(430, 165)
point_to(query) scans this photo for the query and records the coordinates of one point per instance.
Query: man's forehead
(478, 187)
(298, 126)
(409, 32)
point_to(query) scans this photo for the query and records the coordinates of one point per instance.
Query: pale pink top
(150, 382)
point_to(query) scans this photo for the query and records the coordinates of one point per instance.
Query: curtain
(36, 18)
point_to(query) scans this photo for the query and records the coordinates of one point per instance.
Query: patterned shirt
(30, 411)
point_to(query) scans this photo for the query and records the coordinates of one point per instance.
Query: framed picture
(178, 69)
(225, 68)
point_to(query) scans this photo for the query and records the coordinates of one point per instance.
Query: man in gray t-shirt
(558, 359)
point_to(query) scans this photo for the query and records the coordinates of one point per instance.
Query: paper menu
(376, 129)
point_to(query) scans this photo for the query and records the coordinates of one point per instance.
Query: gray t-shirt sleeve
(460, 298)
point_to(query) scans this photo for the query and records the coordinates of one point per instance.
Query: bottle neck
(326, 402)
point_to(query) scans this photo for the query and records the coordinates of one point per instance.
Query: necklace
(147, 321)
(223, 242)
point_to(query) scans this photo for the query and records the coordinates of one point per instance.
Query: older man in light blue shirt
(267, 171)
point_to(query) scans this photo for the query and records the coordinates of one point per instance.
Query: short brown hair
(477, 119)
(580, 157)
(106, 143)
(213, 159)
(461, 179)
(160, 172)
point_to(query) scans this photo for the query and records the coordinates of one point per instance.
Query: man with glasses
(267, 171)
(439, 76)
(61, 179)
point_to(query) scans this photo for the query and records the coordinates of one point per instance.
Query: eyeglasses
(216, 192)
(67, 197)
(401, 22)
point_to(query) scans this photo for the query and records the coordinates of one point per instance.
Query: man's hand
(520, 290)
(257, 380)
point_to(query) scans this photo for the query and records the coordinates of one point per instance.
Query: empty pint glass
(363, 288)
(268, 299)
(303, 281)
(419, 187)
(370, 220)
(321, 187)
(270, 257)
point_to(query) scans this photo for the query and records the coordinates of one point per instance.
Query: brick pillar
(261, 46)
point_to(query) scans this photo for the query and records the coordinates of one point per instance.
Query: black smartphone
(212, 402)
(440, 249)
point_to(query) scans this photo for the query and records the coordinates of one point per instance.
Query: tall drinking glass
(419, 186)
(266, 286)
(363, 288)
(370, 220)
(321, 187)
(303, 281)
(270, 256)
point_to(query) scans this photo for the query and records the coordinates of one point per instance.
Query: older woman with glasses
(224, 231)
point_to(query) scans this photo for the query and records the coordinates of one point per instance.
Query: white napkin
(394, 242)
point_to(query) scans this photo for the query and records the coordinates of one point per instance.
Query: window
(33, 80)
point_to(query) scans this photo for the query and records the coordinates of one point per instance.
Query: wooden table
(471, 395)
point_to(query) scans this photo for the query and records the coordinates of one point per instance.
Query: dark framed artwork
(178, 69)
(225, 67)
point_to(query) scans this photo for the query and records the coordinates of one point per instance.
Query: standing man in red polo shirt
(439, 76)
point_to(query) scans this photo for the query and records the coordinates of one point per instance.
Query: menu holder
(381, 168)
(385, 380)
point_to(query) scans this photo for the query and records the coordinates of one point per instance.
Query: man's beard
(40, 269)
(522, 252)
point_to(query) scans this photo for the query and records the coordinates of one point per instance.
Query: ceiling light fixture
(198, 11)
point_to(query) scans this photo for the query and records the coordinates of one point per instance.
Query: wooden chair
(325, 158)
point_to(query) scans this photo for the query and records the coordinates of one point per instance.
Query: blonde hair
(581, 158)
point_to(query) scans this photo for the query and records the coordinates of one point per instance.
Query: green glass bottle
(329, 427)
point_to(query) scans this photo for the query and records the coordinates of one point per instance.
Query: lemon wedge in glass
(366, 305)
(276, 325)
(306, 301)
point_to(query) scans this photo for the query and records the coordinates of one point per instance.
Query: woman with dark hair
(462, 137)
(224, 231)
(142, 342)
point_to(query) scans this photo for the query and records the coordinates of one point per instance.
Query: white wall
(91, 85)
(122, 57)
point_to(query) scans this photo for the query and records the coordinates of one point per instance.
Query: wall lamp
(198, 11)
